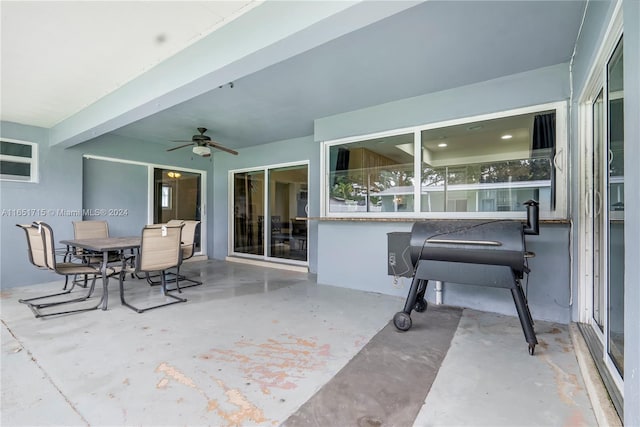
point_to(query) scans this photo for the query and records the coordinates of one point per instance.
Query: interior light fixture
(173, 174)
(507, 136)
(442, 144)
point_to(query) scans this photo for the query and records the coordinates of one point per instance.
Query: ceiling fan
(202, 143)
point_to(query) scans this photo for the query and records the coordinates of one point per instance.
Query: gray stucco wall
(363, 244)
(354, 255)
(60, 193)
(119, 190)
(59, 189)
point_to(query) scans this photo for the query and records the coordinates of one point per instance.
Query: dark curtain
(342, 162)
(544, 138)
(544, 132)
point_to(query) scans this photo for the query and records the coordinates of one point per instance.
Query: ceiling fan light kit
(202, 151)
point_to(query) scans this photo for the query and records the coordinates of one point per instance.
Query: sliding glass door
(269, 211)
(614, 221)
(604, 216)
(248, 212)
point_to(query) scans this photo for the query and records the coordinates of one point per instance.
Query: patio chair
(188, 247)
(92, 230)
(42, 254)
(160, 250)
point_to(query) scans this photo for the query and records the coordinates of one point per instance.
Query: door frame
(596, 80)
(203, 200)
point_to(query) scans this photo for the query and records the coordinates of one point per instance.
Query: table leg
(105, 279)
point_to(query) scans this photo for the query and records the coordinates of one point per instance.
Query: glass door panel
(178, 195)
(249, 210)
(287, 202)
(615, 203)
(598, 234)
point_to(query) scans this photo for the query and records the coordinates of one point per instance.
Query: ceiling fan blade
(222, 147)
(180, 146)
(181, 140)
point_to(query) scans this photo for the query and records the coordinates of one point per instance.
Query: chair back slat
(90, 229)
(158, 251)
(35, 245)
(48, 243)
(188, 238)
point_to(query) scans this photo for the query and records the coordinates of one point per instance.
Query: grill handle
(533, 222)
(465, 242)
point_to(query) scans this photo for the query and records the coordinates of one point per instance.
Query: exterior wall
(60, 187)
(354, 255)
(540, 86)
(59, 194)
(363, 244)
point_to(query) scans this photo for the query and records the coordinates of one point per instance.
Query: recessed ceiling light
(442, 144)
(507, 136)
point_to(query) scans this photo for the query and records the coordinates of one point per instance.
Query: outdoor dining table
(104, 245)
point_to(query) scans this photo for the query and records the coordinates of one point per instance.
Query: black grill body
(477, 242)
(474, 252)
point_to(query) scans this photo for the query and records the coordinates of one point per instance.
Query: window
(18, 160)
(166, 197)
(485, 166)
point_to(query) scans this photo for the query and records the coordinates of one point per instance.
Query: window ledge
(354, 219)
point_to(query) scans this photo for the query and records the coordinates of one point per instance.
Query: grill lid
(499, 242)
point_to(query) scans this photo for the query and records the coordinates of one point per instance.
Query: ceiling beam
(266, 35)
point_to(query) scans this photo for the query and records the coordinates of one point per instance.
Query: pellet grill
(475, 252)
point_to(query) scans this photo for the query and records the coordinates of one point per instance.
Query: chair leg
(175, 277)
(65, 291)
(164, 290)
(36, 308)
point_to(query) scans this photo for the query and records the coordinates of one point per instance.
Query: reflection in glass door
(608, 214)
(615, 204)
(269, 207)
(178, 195)
(287, 204)
(248, 212)
(598, 234)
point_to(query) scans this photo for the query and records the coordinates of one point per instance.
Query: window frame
(559, 162)
(32, 161)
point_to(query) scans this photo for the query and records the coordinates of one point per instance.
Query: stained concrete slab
(386, 383)
(253, 345)
(25, 385)
(248, 348)
(489, 379)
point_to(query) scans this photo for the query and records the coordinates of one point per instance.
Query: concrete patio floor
(253, 345)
